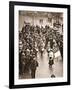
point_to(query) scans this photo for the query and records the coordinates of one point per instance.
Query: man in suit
(34, 65)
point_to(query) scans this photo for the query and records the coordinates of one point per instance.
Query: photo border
(11, 43)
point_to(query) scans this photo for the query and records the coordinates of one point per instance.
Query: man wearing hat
(33, 66)
(23, 60)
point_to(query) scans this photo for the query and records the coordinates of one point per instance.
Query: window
(41, 21)
(49, 20)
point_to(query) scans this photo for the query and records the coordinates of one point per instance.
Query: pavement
(43, 70)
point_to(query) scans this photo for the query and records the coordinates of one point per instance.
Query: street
(43, 70)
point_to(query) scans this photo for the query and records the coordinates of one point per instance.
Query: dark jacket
(33, 65)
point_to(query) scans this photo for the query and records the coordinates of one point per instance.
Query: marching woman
(51, 57)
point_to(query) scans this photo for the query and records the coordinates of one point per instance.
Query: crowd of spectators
(34, 39)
